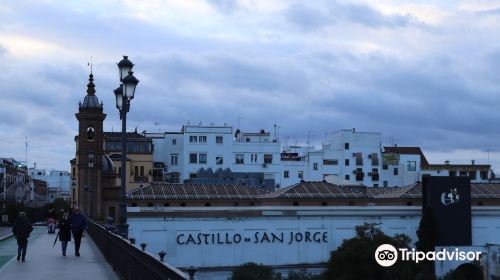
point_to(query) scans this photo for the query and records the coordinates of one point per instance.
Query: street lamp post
(124, 94)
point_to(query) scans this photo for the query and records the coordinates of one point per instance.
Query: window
(396, 171)
(301, 174)
(347, 177)
(412, 166)
(268, 158)
(193, 158)
(174, 141)
(330, 162)
(240, 158)
(202, 158)
(375, 174)
(346, 146)
(247, 139)
(174, 159)
(142, 171)
(359, 174)
(359, 158)
(253, 157)
(203, 139)
(472, 175)
(384, 166)
(286, 174)
(136, 169)
(174, 177)
(193, 139)
(219, 160)
(346, 162)
(219, 139)
(111, 212)
(385, 184)
(374, 158)
(315, 166)
(484, 175)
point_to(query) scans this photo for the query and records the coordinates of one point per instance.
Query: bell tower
(90, 153)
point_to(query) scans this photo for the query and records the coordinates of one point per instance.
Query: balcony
(359, 176)
(141, 179)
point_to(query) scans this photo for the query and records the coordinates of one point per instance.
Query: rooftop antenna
(26, 138)
(90, 64)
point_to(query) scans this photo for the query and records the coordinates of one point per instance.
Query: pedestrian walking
(21, 230)
(78, 225)
(64, 234)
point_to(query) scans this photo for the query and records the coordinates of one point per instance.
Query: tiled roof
(195, 191)
(408, 151)
(411, 191)
(302, 190)
(464, 167)
(315, 190)
(478, 191)
(134, 136)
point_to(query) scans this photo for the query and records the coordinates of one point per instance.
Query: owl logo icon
(451, 197)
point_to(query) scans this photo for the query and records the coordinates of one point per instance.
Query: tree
(304, 276)
(355, 258)
(253, 271)
(426, 234)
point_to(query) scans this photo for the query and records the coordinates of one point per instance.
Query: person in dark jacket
(21, 230)
(64, 234)
(78, 225)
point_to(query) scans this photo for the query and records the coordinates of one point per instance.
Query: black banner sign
(450, 200)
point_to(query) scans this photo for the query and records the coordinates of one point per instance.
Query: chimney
(447, 162)
(473, 161)
(353, 129)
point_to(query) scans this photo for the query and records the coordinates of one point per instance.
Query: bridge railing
(129, 261)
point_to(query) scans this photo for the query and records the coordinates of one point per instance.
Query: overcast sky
(423, 73)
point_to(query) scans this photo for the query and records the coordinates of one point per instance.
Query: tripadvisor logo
(386, 255)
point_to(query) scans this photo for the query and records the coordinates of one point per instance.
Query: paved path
(5, 232)
(46, 262)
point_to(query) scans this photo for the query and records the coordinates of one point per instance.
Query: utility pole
(27, 166)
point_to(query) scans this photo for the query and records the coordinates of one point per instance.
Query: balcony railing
(128, 260)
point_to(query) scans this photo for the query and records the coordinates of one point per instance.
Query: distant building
(478, 173)
(139, 164)
(40, 193)
(58, 182)
(402, 166)
(347, 156)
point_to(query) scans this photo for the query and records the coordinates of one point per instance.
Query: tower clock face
(90, 133)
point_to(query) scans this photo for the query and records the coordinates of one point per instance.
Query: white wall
(337, 223)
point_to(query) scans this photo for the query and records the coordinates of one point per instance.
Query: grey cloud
(311, 18)
(3, 50)
(368, 16)
(307, 17)
(224, 6)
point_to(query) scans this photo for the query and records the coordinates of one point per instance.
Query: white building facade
(199, 147)
(347, 157)
(285, 238)
(58, 182)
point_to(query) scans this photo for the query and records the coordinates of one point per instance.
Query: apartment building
(198, 149)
